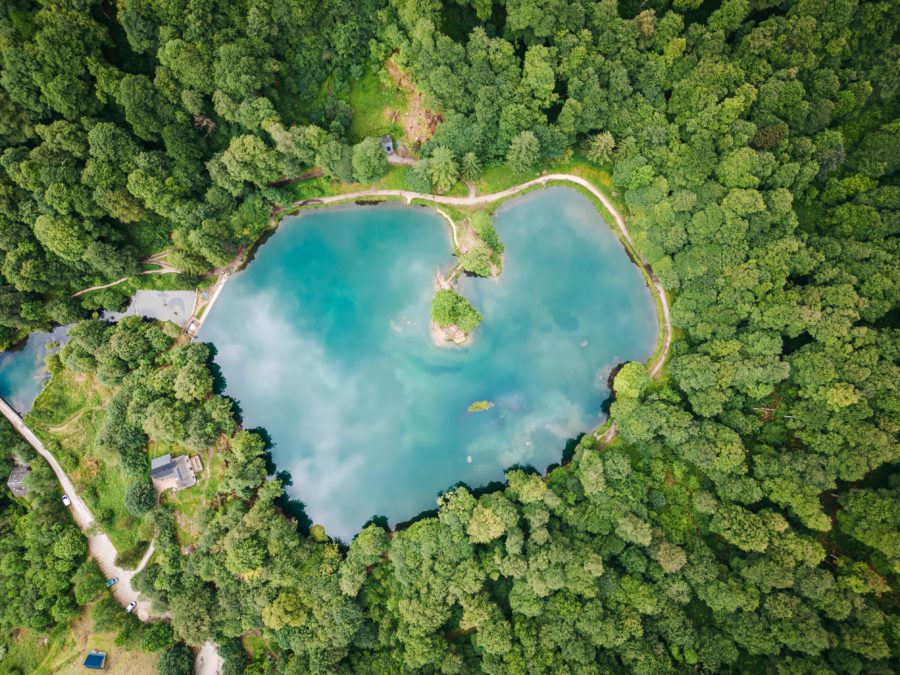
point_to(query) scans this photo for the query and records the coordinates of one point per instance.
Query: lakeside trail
(99, 544)
(654, 367)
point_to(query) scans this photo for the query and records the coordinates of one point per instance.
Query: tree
(523, 152)
(477, 260)
(249, 159)
(140, 498)
(631, 380)
(193, 382)
(369, 160)
(157, 637)
(177, 660)
(601, 147)
(470, 167)
(443, 169)
(451, 309)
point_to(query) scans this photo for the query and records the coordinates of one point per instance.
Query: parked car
(112, 582)
(66, 500)
(131, 606)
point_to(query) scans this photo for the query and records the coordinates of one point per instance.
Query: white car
(131, 606)
(66, 500)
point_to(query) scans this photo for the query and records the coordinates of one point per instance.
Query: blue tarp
(95, 660)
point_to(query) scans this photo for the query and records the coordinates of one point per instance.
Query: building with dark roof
(169, 472)
(16, 480)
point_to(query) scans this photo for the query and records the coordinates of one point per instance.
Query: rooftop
(172, 472)
(16, 480)
(95, 660)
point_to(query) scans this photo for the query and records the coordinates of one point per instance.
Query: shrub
(449, 308)
(140, 497)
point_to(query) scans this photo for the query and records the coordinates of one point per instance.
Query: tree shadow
(219, 382)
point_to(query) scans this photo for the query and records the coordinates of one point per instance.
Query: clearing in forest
(417, 121)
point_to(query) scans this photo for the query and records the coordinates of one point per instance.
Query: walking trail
(655, 366)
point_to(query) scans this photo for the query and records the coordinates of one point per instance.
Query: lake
(325, 341)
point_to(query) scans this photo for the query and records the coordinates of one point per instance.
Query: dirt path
(208, 661)
(397, 160)
(166, 269)
(655, 366)
(100, 545)
(60, 428)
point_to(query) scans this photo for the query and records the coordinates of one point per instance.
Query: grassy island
(449, 309)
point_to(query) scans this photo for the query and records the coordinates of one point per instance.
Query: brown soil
(418, 122)
(467, 237)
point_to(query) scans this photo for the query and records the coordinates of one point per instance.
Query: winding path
(164, 270)
(100, 545)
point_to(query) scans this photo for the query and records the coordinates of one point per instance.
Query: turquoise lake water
(325, 341)
(22, 371)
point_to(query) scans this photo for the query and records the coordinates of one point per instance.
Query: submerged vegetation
(744, 518)
(480, 406)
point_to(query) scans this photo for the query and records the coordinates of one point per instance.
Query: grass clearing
(376, 107)
(67, 417)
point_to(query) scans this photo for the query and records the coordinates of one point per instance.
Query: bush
(484, 228)
(140, 498)
(157, 636)
(177, 660)
(477, 260)
(449, 308)
(131, 558)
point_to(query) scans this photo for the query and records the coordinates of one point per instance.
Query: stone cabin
(176, 473)
(16, 480)
(387, 144)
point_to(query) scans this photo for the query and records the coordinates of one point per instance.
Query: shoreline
(655, 362)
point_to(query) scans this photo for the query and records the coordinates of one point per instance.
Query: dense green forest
(745, 520)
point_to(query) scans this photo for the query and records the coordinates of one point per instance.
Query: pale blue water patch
(325, 341)
(23, 372)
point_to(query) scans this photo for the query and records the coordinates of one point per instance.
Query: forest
(745, 519)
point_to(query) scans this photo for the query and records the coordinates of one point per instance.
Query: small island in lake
(479, 251)
(479, 406)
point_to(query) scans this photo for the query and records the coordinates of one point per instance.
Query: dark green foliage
(177, 660)
(745, 519)
(157, 637)
(45, 575)
(140, 497)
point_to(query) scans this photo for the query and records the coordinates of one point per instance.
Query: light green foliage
(470, 167)
(369, 160)
(600, 148)
(477, 260)
(631, 380)
(449, 308)
(523, 152)
(443, 169)
(483, 225)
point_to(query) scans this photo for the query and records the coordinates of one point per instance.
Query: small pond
(22, 370)
(325, 341)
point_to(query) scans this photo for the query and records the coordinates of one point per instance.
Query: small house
(95, 660)
(174, 473)
(387, 144)
(16, 481)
